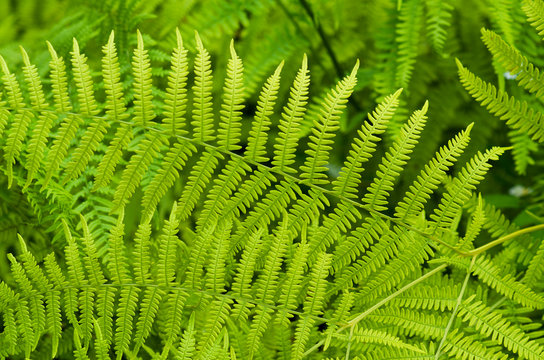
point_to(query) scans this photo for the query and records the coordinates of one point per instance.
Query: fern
(201, 239)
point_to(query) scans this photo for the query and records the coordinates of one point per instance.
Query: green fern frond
(439, 14)
(21, 120)
(394, 160)
(534, 9)
(37, 144)
(490, 323)
(290, 120)
(324, 130)
(408, 29)
(517, 114)
(431, 176)
(230, 124)
(312, 304)
(460, 190)
(256, 142)
(202, 99)
(141, 67)
(175, 103)
(364, 145)
(115, 110)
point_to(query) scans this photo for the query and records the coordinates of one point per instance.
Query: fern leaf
(431, 176)
(171, 164)
(229, 131)
(256, 143)
(199, 177)
(438, 20)
(188, 342)
(312, 304)
(373, 336)
(37, 143)
(527, 75)
(166, 262)
(149, 306)
(517, 114)
(291, 118)
(126, 311)
(324, 129)
(69, 125)
(137, 166)
(363, 146)
(175, 103)
(116, 111)
(202, 95)
(118, 261)
(490, 323)
(534, 9)
(394, 160)
(462, 186)
(141, 69)
(174, 313)
(17, 131)
(407, 38)
(216, 272)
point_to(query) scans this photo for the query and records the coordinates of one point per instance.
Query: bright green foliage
(161, 212)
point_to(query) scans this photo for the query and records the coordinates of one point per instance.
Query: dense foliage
(260, 179)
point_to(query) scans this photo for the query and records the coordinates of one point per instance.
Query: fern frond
(17, 131)
(175, 103)
(115, 110)
(431, 176)
(188, 342)
(394, 160)
(230, 124)
(527, 75)
(461, 188)
(88, 107)
(258, 135)
(70, 123)
(312, 304)
(202, 95)
(324, 129)
(126, 310)
(290, 120)
(199, 177)
(364, 145)
(490, 323)
(408, 29)
(171, 164)
(438, 20)
(137, 166)
(516, 113)
(141, 68)
(167, 242)
(216, 271)
(534, 9)
(506, 285)
(37, 144)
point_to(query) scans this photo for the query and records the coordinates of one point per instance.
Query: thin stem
(455, 309)
(499, 241)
